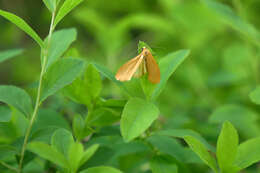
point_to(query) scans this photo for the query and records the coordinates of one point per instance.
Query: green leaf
(61, 141)
(60, 74)
(201, 151)
(75, 156)
(85, 89)
(163, 164)
(255, 95)
(60, 42)
(51, 4)
(88, 153)
(170, 146)
(66, 7)
(5, 55)
(93, 82)
(49, 153)
(248, 153)
(78, 126)
(137, 116)
(168, 65)
(227, 15)
(101, 169)
(77, 92)
(103, 117)
(227, 147)
(181, 133)
(19, 22)
(5, 114)
(17, 98)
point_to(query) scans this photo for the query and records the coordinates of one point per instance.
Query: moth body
(138, 66)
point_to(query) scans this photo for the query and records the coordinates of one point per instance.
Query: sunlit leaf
(137, 116)
(61, 141)
(201, 151)
(227, 147)
(49, 153)
(60, 74)
(248, 153)
(60, 42)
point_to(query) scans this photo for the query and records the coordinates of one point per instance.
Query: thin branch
(38, 101)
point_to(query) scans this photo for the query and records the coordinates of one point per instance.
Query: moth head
(145, 51)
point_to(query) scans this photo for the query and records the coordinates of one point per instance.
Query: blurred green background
(211, 86)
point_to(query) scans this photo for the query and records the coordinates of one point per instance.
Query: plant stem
(9, 166)
(38, 101)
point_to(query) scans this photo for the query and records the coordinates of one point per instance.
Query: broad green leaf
(93, 82)
(60, 74)
(51, 4)
(227, 147)
(66, 7)
(88, 154)
(77, 92)
(101, 169)
(49, 153)
(227, 15)
(85, 89)
(22, 25)
(78, 126)
(138, 115)
(242, 117)
(170, 146)
(60, 42)
(5, 55)
(167, 66)
(255, 95)
(108, 74)
(17, 98)
(181, 133)
(5, 114)
(75, 156)
(61, 141)
(104, 116)
(248, 153)
(163, 164)
(201, 151)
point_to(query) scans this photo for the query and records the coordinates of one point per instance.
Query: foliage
(65, 112)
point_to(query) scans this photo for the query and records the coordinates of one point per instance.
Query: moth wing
(127, 71)
(152, 69)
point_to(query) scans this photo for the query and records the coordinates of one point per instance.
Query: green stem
(38, 101)
(9, 166)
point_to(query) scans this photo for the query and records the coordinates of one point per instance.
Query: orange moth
(138, 66)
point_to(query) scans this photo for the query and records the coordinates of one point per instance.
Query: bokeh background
(211, 86)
